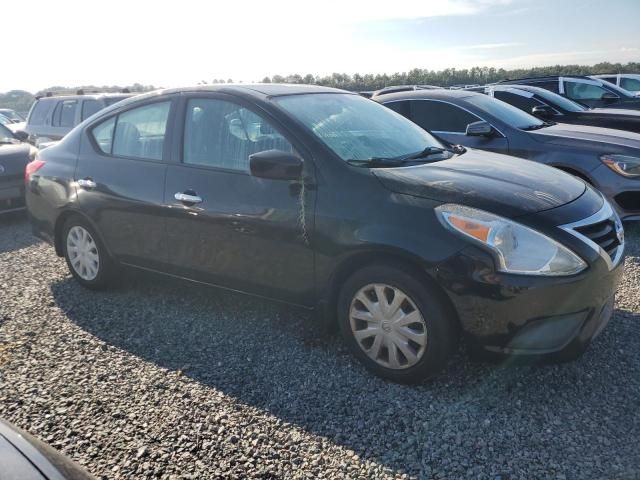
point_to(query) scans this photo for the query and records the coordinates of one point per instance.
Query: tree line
(21, 100)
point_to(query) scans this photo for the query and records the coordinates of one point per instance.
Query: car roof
(259, 89)
(429, 93)
(547, 77)
(92, 96)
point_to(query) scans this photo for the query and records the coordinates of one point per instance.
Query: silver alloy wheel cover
(83, 253)
(388, 326)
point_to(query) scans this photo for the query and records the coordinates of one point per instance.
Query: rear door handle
(187, 198)
(87, 183)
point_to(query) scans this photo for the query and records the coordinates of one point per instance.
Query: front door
(226, 226)
(120, 177)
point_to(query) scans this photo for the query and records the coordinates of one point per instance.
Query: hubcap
(388, 326)
(83, 253)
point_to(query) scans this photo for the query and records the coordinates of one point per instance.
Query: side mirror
(276, 165)
(479, 129)
(542, 111)
(609, 97)
(21, 135)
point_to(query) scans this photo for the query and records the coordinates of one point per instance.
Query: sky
(182, 42)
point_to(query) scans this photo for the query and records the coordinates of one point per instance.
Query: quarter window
(136, 133)
(440, 116)
(65, 113)
(222, 134)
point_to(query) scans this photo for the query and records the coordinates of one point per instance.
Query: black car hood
(13, 158)
(504, 185)
(582, 135)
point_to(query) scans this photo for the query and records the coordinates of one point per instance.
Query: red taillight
(32, 167)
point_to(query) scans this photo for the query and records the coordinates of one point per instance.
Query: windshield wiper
(539, 126)
(403, 160)
(425, 153)
(376, 162)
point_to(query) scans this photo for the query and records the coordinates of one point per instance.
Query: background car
(628, 81)
(52, 117)
(326, 200)
(587, 91)
(14, 157)
(547, 105)
(12, 115)
(24, 457)
(606, 158)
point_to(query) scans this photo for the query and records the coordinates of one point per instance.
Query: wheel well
(57, 231)
(355, 263)
(575, 173)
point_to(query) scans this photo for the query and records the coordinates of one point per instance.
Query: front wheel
(395, 324)
(86, 257)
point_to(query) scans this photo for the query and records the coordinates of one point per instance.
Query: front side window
(631, 84)
(89, 107)
(559, 101)
(583, 91)
(65, 113)
(136, 133)
(356, 128)
(438, 116)
(223, 134)
(504, 112)
(524, 103)
(39, 112)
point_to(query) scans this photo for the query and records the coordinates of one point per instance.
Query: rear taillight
(32, 167)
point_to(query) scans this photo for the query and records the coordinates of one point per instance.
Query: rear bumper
(12, 196)
(529, 315)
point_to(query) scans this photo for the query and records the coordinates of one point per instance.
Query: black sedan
(606, 158)
(588, 91)
(547, 105)
(324, 199)
(23, 457)
(14, 156)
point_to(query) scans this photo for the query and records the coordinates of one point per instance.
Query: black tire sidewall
(105, 266)
(441, 335)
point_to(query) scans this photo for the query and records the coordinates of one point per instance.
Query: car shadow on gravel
(270, 356)
(15, 232)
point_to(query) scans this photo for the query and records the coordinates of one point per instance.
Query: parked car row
(405, 240)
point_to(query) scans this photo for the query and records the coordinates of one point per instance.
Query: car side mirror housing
(479, 129)
(21, 135)
(609, 97)
(275, 165)
(542, 111)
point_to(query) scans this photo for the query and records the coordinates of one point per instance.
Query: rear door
(243, 232)
(449, 122)
(120, 177)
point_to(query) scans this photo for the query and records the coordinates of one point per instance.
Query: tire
(95, 269)
(433, 336)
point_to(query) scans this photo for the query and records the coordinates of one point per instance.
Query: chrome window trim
(605, 213)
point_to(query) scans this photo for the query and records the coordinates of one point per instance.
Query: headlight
(516, 248)
(624, 165)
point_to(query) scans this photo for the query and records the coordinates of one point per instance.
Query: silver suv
(52, 117)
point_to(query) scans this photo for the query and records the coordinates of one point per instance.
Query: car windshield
(558, 100)
(503, 111)
(11, 115)
(6, 136)
(356, 128)
(4, 120)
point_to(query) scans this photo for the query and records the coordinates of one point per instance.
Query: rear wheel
(394, 324)
(86, 257)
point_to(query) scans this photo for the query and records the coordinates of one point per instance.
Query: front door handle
(187, 198)
(87, 183)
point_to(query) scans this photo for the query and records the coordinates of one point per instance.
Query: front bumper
(528, 315)
(623, 193)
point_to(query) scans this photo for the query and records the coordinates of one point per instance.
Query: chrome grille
(603, 232)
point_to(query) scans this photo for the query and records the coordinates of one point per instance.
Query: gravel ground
(159, 379)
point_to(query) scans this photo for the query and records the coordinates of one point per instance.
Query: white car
(628, 81)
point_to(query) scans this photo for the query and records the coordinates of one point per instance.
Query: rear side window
(89, 107)
(401, 107)
(440, 116)
(136, 133)
(631, 84)
(222, 134)
(39, 112)
(65, 113)
(551, 85)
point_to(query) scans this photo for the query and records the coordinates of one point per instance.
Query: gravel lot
(159, 379)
